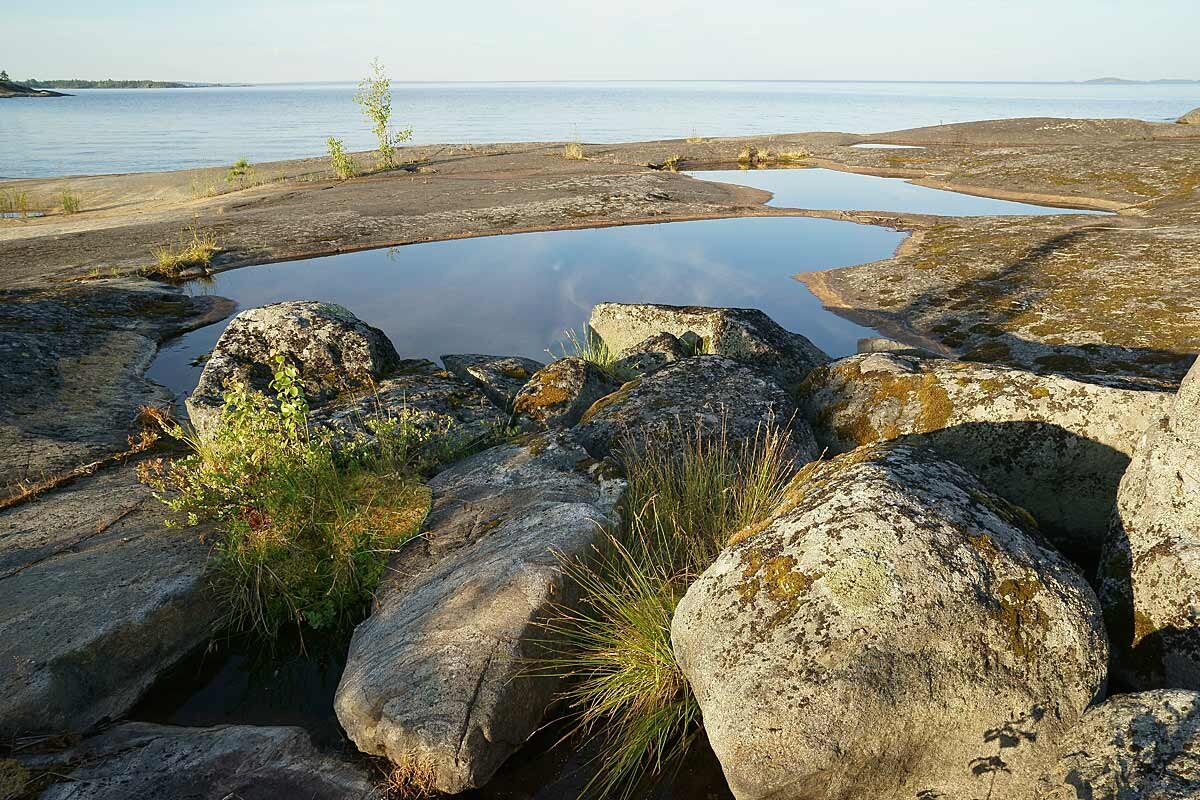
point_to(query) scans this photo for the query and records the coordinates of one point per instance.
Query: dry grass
(573, 151)
(196, 248)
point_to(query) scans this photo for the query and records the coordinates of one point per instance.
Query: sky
(481, 40)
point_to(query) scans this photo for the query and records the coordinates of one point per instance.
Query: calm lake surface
(517, 294)
(125, 130)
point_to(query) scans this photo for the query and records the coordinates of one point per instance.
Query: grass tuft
(196, 250)
(70, 202)
(14, 203)
(687, 496)
(591, 348)
(573, 151)
(304, 530)
(240, 169)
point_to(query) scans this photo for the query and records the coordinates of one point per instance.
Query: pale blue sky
(274, 40)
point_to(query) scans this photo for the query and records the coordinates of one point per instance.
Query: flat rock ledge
(434, 679)
(1143, 746)
(1054, 446)
(892, 633)
(1150, 575)
(745, 334)
(140, 760)
(97, 598)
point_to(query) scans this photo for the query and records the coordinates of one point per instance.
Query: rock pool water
(829, 189)
(516, 294)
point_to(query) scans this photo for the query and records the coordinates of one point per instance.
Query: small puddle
(831, 190)
(516, 294)
(21, 214)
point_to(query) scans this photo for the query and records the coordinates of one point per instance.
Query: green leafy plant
(688, 496)
(303, 530)
(374, 96)
(240, 169)
(344, 167)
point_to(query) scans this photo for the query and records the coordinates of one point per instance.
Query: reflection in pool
(516, 294)
(831, 189)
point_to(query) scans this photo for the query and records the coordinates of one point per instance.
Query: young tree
(3, 75)
(375, 97)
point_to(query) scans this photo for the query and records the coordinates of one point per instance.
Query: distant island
(109, 83)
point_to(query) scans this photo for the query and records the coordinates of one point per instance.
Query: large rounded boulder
(333, 350)
(895, 631)
(1143, 746)
(1150, 575)
(705, 394)
(1190, 118)
(1055, 446)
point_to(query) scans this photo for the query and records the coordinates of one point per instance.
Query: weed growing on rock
(304, 530)
(592, 348)
(69, 202)
(240, 169)
(681, 508)
(374, 96)
(196, 248)
(344, 167)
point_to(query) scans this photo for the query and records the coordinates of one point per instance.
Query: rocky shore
(981, 582)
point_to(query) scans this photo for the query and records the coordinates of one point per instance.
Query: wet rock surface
(892, 632)
(333, 350)
(557, 395)
(434, 677)
(1143, 746)
(97, 598)
(712, 393)
(1150, 578)
(1055, 446)
(499, 377)
(71, 364)
(745, 334)
(136, 759)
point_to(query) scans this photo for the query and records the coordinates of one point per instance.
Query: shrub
(194, 251)
(671, 164)
(69, 201)
(573, 151)
(304, 530)
(374, 96)
(686, 499)
(240, 169)
(344, 167)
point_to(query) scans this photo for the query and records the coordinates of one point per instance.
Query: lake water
(517, 294)
(832, 189)
(124, 130)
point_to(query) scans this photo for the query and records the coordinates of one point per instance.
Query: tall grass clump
(687, 497)
(344, 167)
(196, 248)
(591, 348)
(573, 151)
(303, 530)
(70, 202)
(14, 202)
(374, 96)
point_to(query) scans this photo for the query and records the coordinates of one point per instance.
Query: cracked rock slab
(97, 597)
(498, 377)
(745, 334)
(892, 632)
(434, 679)
(557, 395)
(140, 760)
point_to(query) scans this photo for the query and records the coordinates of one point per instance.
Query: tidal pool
(517, 294)
(828, 189)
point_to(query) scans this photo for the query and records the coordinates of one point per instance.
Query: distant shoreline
(109, 83)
